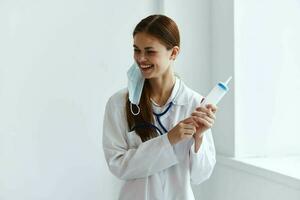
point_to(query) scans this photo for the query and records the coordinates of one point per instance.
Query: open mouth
(146, 68)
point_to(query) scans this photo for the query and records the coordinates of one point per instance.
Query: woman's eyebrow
(146, 48)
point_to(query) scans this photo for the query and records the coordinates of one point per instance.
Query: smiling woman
(167, 144)
(151, 54)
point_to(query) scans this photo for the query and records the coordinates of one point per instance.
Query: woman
(156, 137)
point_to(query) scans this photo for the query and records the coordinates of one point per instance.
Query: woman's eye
(136, 50)
(150, 52)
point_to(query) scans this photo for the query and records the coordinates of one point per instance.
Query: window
(267, 77)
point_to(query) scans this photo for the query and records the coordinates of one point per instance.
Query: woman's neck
(161, 88)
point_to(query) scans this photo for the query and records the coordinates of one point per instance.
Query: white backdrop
(60, 60)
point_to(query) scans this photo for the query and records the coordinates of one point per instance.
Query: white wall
(193, 63)
(208, 51)
(229, 183)
(267, 66)
(242, 41)
(222, 67)
(60, 61)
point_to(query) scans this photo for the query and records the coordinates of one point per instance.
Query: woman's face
(151, 55)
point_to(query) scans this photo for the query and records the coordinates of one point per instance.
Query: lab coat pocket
(133, 140)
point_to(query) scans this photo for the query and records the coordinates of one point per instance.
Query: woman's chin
(147, 75)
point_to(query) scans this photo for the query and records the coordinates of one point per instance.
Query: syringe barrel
(215, 95)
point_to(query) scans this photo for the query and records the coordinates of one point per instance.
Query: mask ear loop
(138, 112)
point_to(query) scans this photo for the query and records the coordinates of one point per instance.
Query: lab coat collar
(179, 94)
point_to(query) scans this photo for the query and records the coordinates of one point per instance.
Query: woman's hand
(204, 118)
(185, 129)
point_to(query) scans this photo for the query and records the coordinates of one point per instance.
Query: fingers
(189, 131)
(183, 130)
(199, 114)
(188, 126)
(208, 119)
(189, 120)
(212, 107)
(202, 118)
(207, 122)
(209, 109)
(204, 114)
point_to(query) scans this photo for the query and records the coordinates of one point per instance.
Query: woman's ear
(175, 52)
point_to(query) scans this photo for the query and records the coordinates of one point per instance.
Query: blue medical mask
(135, 86)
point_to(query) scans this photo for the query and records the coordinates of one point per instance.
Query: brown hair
(166, 31)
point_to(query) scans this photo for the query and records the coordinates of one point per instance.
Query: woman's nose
(142, 57)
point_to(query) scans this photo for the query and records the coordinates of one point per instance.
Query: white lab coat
(155, 169)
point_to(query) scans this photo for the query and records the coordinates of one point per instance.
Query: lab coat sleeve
(127, 163)
(202, 163)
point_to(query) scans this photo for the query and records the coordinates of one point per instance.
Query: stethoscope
(158, 116)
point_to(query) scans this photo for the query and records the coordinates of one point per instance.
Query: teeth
(146, 66)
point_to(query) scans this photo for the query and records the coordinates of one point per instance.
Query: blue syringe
(217, 93)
